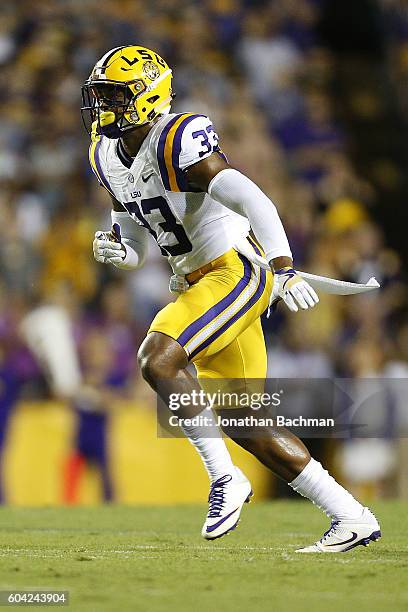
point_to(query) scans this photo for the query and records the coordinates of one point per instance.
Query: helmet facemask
(113, 97)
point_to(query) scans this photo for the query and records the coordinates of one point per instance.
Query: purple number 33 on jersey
(205, 142)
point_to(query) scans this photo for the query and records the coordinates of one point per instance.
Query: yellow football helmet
(132, 82)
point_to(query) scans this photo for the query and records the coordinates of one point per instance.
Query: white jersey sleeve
(199, 140)
(185, 140)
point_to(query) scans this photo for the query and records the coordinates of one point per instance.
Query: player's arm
(125, 245)
(238, 193)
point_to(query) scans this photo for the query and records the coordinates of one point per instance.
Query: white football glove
(108, 248)
(290, 287)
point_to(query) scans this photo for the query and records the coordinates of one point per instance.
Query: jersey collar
(123, 155)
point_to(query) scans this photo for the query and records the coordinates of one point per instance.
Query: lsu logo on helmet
(131, 83)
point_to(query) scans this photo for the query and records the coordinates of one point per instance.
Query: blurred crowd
(265, 72)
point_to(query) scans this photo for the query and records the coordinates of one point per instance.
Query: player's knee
(152, 366)
(302, 459)
(149, 366)
(160, 357)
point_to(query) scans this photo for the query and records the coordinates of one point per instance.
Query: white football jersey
(190, 227)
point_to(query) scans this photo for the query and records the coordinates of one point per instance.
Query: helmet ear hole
(153, 99)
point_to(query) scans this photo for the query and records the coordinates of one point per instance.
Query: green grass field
(115, 558)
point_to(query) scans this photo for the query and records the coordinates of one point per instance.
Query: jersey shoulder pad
(184, 140)
(98, 152)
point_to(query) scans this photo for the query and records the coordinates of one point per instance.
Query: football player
(168, 177)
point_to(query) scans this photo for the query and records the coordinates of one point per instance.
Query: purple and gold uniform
(216, 320)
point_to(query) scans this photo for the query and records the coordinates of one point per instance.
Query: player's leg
(224, 298)
(286, 455)
(163, 364)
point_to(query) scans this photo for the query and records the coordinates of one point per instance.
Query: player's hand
(108, 248)
(290, 287)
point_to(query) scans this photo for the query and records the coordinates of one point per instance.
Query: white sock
(210, 445)
(315, 483)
